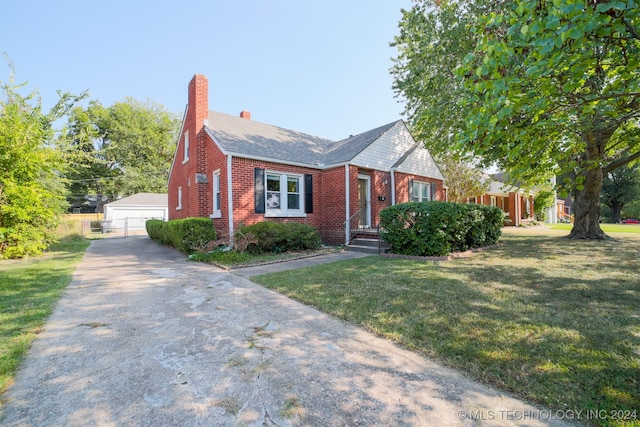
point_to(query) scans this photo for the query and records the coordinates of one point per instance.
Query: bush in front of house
(439, 228)
(280, 237)
(188, 235)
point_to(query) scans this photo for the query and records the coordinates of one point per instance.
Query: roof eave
(175, 153)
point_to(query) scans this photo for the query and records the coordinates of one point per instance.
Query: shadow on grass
(551, 319)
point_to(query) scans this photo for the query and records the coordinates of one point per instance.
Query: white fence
(126, 226)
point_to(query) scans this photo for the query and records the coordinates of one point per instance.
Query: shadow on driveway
(144, 337)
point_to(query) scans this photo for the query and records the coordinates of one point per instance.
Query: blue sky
(320, 67)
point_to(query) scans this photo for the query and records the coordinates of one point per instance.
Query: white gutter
(347, 229)
(230, 196)
(393, 186)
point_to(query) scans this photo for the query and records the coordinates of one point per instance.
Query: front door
(364, 205)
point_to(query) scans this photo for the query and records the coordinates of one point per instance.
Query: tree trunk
(616, 209)
(586, 202)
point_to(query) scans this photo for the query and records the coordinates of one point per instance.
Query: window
(186, 147)
(216, 195)
(493, 201)
(471, 200)
(420, 191)
(280, 194)
(179, 199)
(283, 193)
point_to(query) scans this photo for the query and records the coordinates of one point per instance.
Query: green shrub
(439, 228)
(187, 235)
(156, 230)
(281, 237)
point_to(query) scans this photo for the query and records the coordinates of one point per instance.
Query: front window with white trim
(283, 194)
(179, 199)
(421, 191)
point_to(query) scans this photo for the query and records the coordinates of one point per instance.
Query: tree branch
(611, 96)
(632, 30)
(620, 162)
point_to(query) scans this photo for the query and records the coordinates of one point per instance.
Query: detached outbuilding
(131, 213)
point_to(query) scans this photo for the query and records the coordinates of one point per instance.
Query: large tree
(536, 86)
(32, 193)
(120, 150)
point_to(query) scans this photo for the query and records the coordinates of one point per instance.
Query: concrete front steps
(367, 241)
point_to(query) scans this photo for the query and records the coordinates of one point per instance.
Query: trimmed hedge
(281, 237)
(188, 234)
(439, 228)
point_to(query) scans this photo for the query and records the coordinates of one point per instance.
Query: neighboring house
(131, 213)
(238, 172)
(565, 213)
(514, 201)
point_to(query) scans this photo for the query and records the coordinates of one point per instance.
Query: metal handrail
(347, 223)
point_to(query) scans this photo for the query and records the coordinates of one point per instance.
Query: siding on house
(420, 162)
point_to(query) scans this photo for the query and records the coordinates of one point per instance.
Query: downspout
(347, 228)
(230, 197)
(393, 186)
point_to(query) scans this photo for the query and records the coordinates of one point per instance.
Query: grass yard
(554, 321)
(29, 290)
(607, 228)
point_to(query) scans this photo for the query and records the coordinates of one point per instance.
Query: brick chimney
(197, 186)
(245, 115)
(198, 101)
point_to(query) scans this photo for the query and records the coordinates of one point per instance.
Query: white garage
(131, 213)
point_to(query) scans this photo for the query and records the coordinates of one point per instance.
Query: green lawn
(554, 321)
(607, 228)
(29, 290)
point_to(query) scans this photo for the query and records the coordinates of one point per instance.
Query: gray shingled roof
(143, 199)
(249, 137)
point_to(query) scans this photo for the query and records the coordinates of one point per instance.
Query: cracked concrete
(144, 337)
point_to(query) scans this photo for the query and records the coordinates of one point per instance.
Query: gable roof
(348, 148)
(142, 199)
(239, 136)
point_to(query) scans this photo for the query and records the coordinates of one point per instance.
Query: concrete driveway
(143, 337)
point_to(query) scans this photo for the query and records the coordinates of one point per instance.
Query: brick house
(514, 201)
(238, 171)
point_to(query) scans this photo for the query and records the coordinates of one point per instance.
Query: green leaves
(121, 150)
(537, 85)
(31, 191)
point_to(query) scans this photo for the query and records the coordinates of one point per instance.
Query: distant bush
(188, 235)
(439, 228)
(281, 237)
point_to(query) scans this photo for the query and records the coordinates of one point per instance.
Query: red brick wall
(402, 186)
(244, 193)
(512, 209)
(332, 194)
(380, 188)
(215, 160)
(194, 195)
